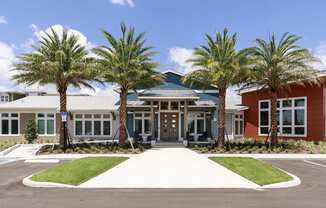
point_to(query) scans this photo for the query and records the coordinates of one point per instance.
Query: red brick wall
(315, 111)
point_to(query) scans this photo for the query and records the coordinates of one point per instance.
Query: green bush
(30, 133)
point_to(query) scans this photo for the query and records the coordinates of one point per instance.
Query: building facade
(170, 112)
(301, 112)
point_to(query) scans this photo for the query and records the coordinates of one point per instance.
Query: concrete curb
(287, 184)
(272, 156)
(30, 183)
(9, 149)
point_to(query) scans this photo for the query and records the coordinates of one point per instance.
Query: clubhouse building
(170, 112)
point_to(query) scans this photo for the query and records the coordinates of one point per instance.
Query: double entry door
(169, 124)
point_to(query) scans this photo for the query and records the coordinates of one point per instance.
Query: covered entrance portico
(170, 116)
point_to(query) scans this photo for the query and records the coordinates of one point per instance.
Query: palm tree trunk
(63, 108)
(274, 119)
(123, 116)
(221, 117)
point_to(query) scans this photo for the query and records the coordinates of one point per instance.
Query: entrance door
(169, 127)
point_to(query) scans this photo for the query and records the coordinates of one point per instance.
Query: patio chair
(189, 137)
(203, 137)
(137, 137)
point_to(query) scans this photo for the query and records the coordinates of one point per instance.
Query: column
(152, 121)
(185, 119)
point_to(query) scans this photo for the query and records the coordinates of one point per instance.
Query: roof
(168, 94)
(74, 103)
(257, 88)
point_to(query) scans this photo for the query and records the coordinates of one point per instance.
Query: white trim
(143, 118)
(281, 108)
(45, 118)
(239, 119)
(193, 116)
(169, 98)
(173, 72)
(9, 118)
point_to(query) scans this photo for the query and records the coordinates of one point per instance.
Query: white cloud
(320, 53)
(179, 57)
(3, 20)
(129, 3)
(7, 57)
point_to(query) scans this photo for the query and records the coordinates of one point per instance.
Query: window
(238, 124)
(45, 123)
(142, 123)
(164, 105)
(174, 105)
(291, 116)
(4, 98)
(9, 123)
(169, 105)
(196, 123)
(93, 125)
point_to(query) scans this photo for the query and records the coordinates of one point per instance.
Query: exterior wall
(315, 111)
(24, 118)
(229, 125)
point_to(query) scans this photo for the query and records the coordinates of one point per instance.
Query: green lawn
(78, 171)
(257, 171)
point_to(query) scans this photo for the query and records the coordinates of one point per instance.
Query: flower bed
(251, 146)
(93, 148)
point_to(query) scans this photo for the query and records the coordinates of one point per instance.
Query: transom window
(169, 105)
(142, 124)
(291, 116)
(94, 125)
(45, 123)
(9, 123)
(238, 124)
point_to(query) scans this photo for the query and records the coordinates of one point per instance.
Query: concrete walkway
(169, 168)
(24, 151)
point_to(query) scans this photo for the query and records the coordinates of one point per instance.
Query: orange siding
(315, 111)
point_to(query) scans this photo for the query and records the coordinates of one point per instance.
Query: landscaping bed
(77, 171)
(254, 170)
(93, 148)
(8, 142)
(251, 146)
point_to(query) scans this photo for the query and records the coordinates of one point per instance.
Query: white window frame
(280, 109)
(239, 119)
(46, 118)
(194, 116)
(92, 119)
(142, 118)
(9, 118)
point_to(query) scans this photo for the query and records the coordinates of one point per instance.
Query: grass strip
(78, 171)
(254, 170)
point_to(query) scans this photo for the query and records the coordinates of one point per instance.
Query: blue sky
(173, 27)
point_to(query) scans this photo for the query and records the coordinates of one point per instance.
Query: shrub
(30, 133)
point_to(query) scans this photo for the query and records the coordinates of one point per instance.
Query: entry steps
(168, 144)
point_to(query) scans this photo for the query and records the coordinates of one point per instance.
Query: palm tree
(275, 64)
(58, 59)
(127, 62)
(219, 64)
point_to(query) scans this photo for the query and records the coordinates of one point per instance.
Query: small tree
(31, 132)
